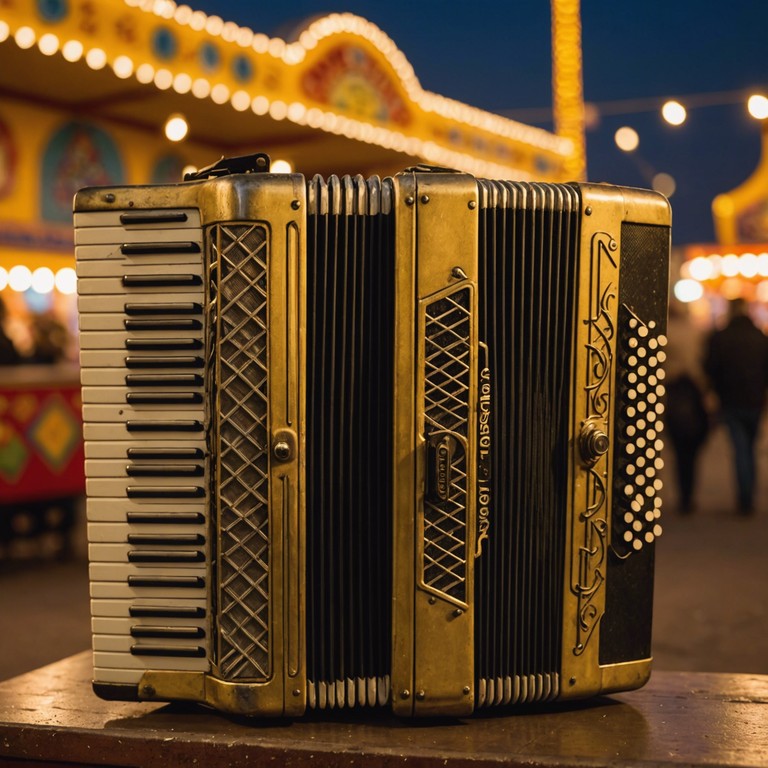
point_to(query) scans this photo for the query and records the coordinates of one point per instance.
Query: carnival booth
(737, 265)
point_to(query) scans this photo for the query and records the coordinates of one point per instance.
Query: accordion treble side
(363, 442)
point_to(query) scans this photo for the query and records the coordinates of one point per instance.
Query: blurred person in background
(9, 355)
(687, 418)
(50, 339)
(736, 363)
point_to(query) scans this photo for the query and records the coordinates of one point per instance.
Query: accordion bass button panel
(140, 280)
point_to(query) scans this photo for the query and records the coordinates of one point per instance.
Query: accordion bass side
(359, 442)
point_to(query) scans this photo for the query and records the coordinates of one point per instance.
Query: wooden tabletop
(679, 718)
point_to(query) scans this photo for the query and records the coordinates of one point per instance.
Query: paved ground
(711, 609)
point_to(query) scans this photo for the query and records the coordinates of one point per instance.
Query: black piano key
(161, 281)
(166, 612)
(164, 470)
(164, 492)
(165, 556)
(178, 308)
(167, 582)
(165, 518)
(163, 398)
(182, 345)
(164, 380)
(165, 539)
(159, 248)
(153, 217)
(194, 651)
(154, 361)
(165, 453)
(182, 324)
(174, 633)
(154, 425)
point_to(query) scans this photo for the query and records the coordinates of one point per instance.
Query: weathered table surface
(680, 718)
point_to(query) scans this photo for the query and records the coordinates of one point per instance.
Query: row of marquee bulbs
(41, 280)
(728, 270)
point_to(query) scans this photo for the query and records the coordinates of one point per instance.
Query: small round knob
(281, 450)
(593, 443)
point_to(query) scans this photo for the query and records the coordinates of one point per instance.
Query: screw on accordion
(371, 442)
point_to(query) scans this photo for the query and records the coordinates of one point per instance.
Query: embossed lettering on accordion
(371, 442)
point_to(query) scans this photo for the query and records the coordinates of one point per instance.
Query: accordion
(371, 442)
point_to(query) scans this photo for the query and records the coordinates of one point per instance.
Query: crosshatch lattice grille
(240, 252)
(446, 409)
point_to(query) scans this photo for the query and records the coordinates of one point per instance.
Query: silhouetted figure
(687, 419)
(737, 365)
(49, 339)
(9, 355)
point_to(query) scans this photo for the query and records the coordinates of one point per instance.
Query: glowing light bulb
(176, 128)
(626, 139)
(674, 112)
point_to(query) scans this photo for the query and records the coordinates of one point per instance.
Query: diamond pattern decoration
(446, 409)
(240, 267)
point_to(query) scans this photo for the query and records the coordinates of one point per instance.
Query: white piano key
(139, 265)
(117, 340)
(117, 532)
(121, 396)
(86, 304)
(128, 661)
(105, 358)
(119, 321)
(103, 219)
(117, 510)
(118, 468)
(120, 234)
(116, 413)
(121, 676)
(118, 449)
(116, 487)
(118, 569)
(107, 553)
(103, 625)
(114, 643)
(120, 607)
(120, 589)
(87, 286)
(118, 431)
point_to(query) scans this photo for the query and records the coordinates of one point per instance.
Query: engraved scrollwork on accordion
(590, 535)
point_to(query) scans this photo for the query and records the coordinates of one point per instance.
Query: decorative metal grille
(446, 410)
(239, 278)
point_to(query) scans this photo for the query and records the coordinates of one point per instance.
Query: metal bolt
(472, 205)
(296, 204)
(588, 210)
(425, 199)
(405, 693)
(613, 245)
(432, 600)
(466, 690)
(297, 691)
(572, 681)
(109, 198)
(420, 695)
(148, 690)
(281, 450)
(458, 612)
(409, 200)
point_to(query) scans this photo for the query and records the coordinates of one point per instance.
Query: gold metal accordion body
(359, 442)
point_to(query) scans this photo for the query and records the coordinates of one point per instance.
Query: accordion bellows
(371, 442)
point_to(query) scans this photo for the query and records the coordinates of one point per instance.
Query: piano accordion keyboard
(142, 360)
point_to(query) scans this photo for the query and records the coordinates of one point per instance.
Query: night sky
(496, 56)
